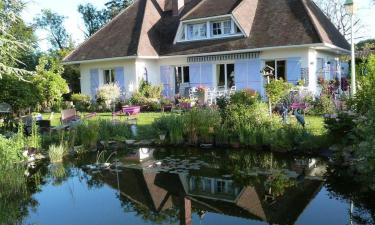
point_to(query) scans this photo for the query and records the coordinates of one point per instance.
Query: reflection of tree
(343, 184)
(15, 197)
(168, 216)
(278, 183)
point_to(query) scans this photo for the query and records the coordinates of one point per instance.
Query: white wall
(129, 71)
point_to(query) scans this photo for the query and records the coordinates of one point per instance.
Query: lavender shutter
(207, 78)
(166, 80)
(94, 82)
(293, 70)
(120, 78)
(255, 78)
(241, 77)
(195, 75)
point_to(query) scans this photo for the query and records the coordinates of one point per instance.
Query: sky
(74, 23)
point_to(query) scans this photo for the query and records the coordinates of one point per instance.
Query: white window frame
(112, 74)
(276, 72)
(222, 28)
(225, 74)
(198, 31)
(183, 73)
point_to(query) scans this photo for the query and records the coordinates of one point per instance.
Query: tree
(94, 19)
(53, 23)
(335, 11)
(49, 83)
(114, 7)
(13, 44)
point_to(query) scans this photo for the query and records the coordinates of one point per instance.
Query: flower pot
(167, 108)
(162, 137)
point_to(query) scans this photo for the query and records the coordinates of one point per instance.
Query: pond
(187, 186)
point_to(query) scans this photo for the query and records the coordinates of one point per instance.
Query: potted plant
(161, 128)
(166, 104)
(185, 103)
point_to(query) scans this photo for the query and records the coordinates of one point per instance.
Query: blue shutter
(195, 75)
(293, 70)
(241, 77)
(207, 77)
(120, 78)
(166, 73)
(255, 80)
(94, 82)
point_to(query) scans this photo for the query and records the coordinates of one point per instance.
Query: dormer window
(221, 28)
(205, 29)
(197, 31)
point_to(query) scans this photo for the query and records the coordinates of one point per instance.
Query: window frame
(199, 28)
(223, 25)
(112, 76)
(182, 69)
(275, 61)
(226, 75)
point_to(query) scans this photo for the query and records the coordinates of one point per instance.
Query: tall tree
(53, 23)
(114, 7)
(13, 44)
(335, 11)
(93, 19)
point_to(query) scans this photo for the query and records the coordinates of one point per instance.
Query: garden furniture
(131, 110)
(69, 116)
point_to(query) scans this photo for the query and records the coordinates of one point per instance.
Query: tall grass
(56, 153)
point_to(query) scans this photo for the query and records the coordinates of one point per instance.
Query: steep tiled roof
(148, 28)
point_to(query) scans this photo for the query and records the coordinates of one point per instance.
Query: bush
(109, 94)
(81, 102)
(148, 91)
(244, 97)
(277, 89)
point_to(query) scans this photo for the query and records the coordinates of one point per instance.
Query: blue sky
(74, 23)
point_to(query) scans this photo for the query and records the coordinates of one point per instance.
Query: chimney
(176, 6)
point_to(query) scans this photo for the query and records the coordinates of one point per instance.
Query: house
(213, 43)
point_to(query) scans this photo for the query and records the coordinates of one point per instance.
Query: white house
(213, 43)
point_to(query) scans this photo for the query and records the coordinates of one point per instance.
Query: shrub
(277, 90)
(109, 94)
(81, 102)
(148, 91)
(244, 97)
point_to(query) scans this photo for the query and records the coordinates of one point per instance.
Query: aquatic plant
(56, 153)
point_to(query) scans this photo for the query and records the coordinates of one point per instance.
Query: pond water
(168, 186)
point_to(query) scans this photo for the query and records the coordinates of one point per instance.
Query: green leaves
(277, 90)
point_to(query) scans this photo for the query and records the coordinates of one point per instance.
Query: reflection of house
(140, 155)
(163, 191)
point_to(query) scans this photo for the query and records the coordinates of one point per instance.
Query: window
(182, 74)
(280, 68)
(109, 76)
(221, 28)
(197, 31)
(220, 186)
(225, 75)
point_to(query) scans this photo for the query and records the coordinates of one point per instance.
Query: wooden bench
(68, 116)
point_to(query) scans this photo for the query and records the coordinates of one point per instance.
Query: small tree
(109, 94)
(277, 89)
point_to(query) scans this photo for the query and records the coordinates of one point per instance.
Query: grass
(315, 124)
(56, 153)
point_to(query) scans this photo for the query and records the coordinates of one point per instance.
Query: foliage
(81, 102)
(148, 96)
(53, 23)
(149, 91)
(56, 153)
(19, 94)
(109, 94)
(49, 83)
(11, 148)
(278, 183)
(244, 97)
(277, 89)
(114, 7)
(111, 131)
(93, 19)
(173, 125)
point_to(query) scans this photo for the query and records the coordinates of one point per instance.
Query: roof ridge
(107, 24)
(309, 13)
(192, 9)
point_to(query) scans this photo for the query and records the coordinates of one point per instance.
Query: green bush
(56, 153)
(81, 102)
(148, 91)
(277, 89)
(244, 97)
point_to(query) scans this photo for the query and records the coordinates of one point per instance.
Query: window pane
(221, 75)
(203, 30)
(186, 74)
(230, 75)
(113, 80)
(281, 70)
(216, 28)
(107, 78)
(178, 74)
(227, 26)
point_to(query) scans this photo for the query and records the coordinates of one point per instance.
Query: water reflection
(167, 186)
